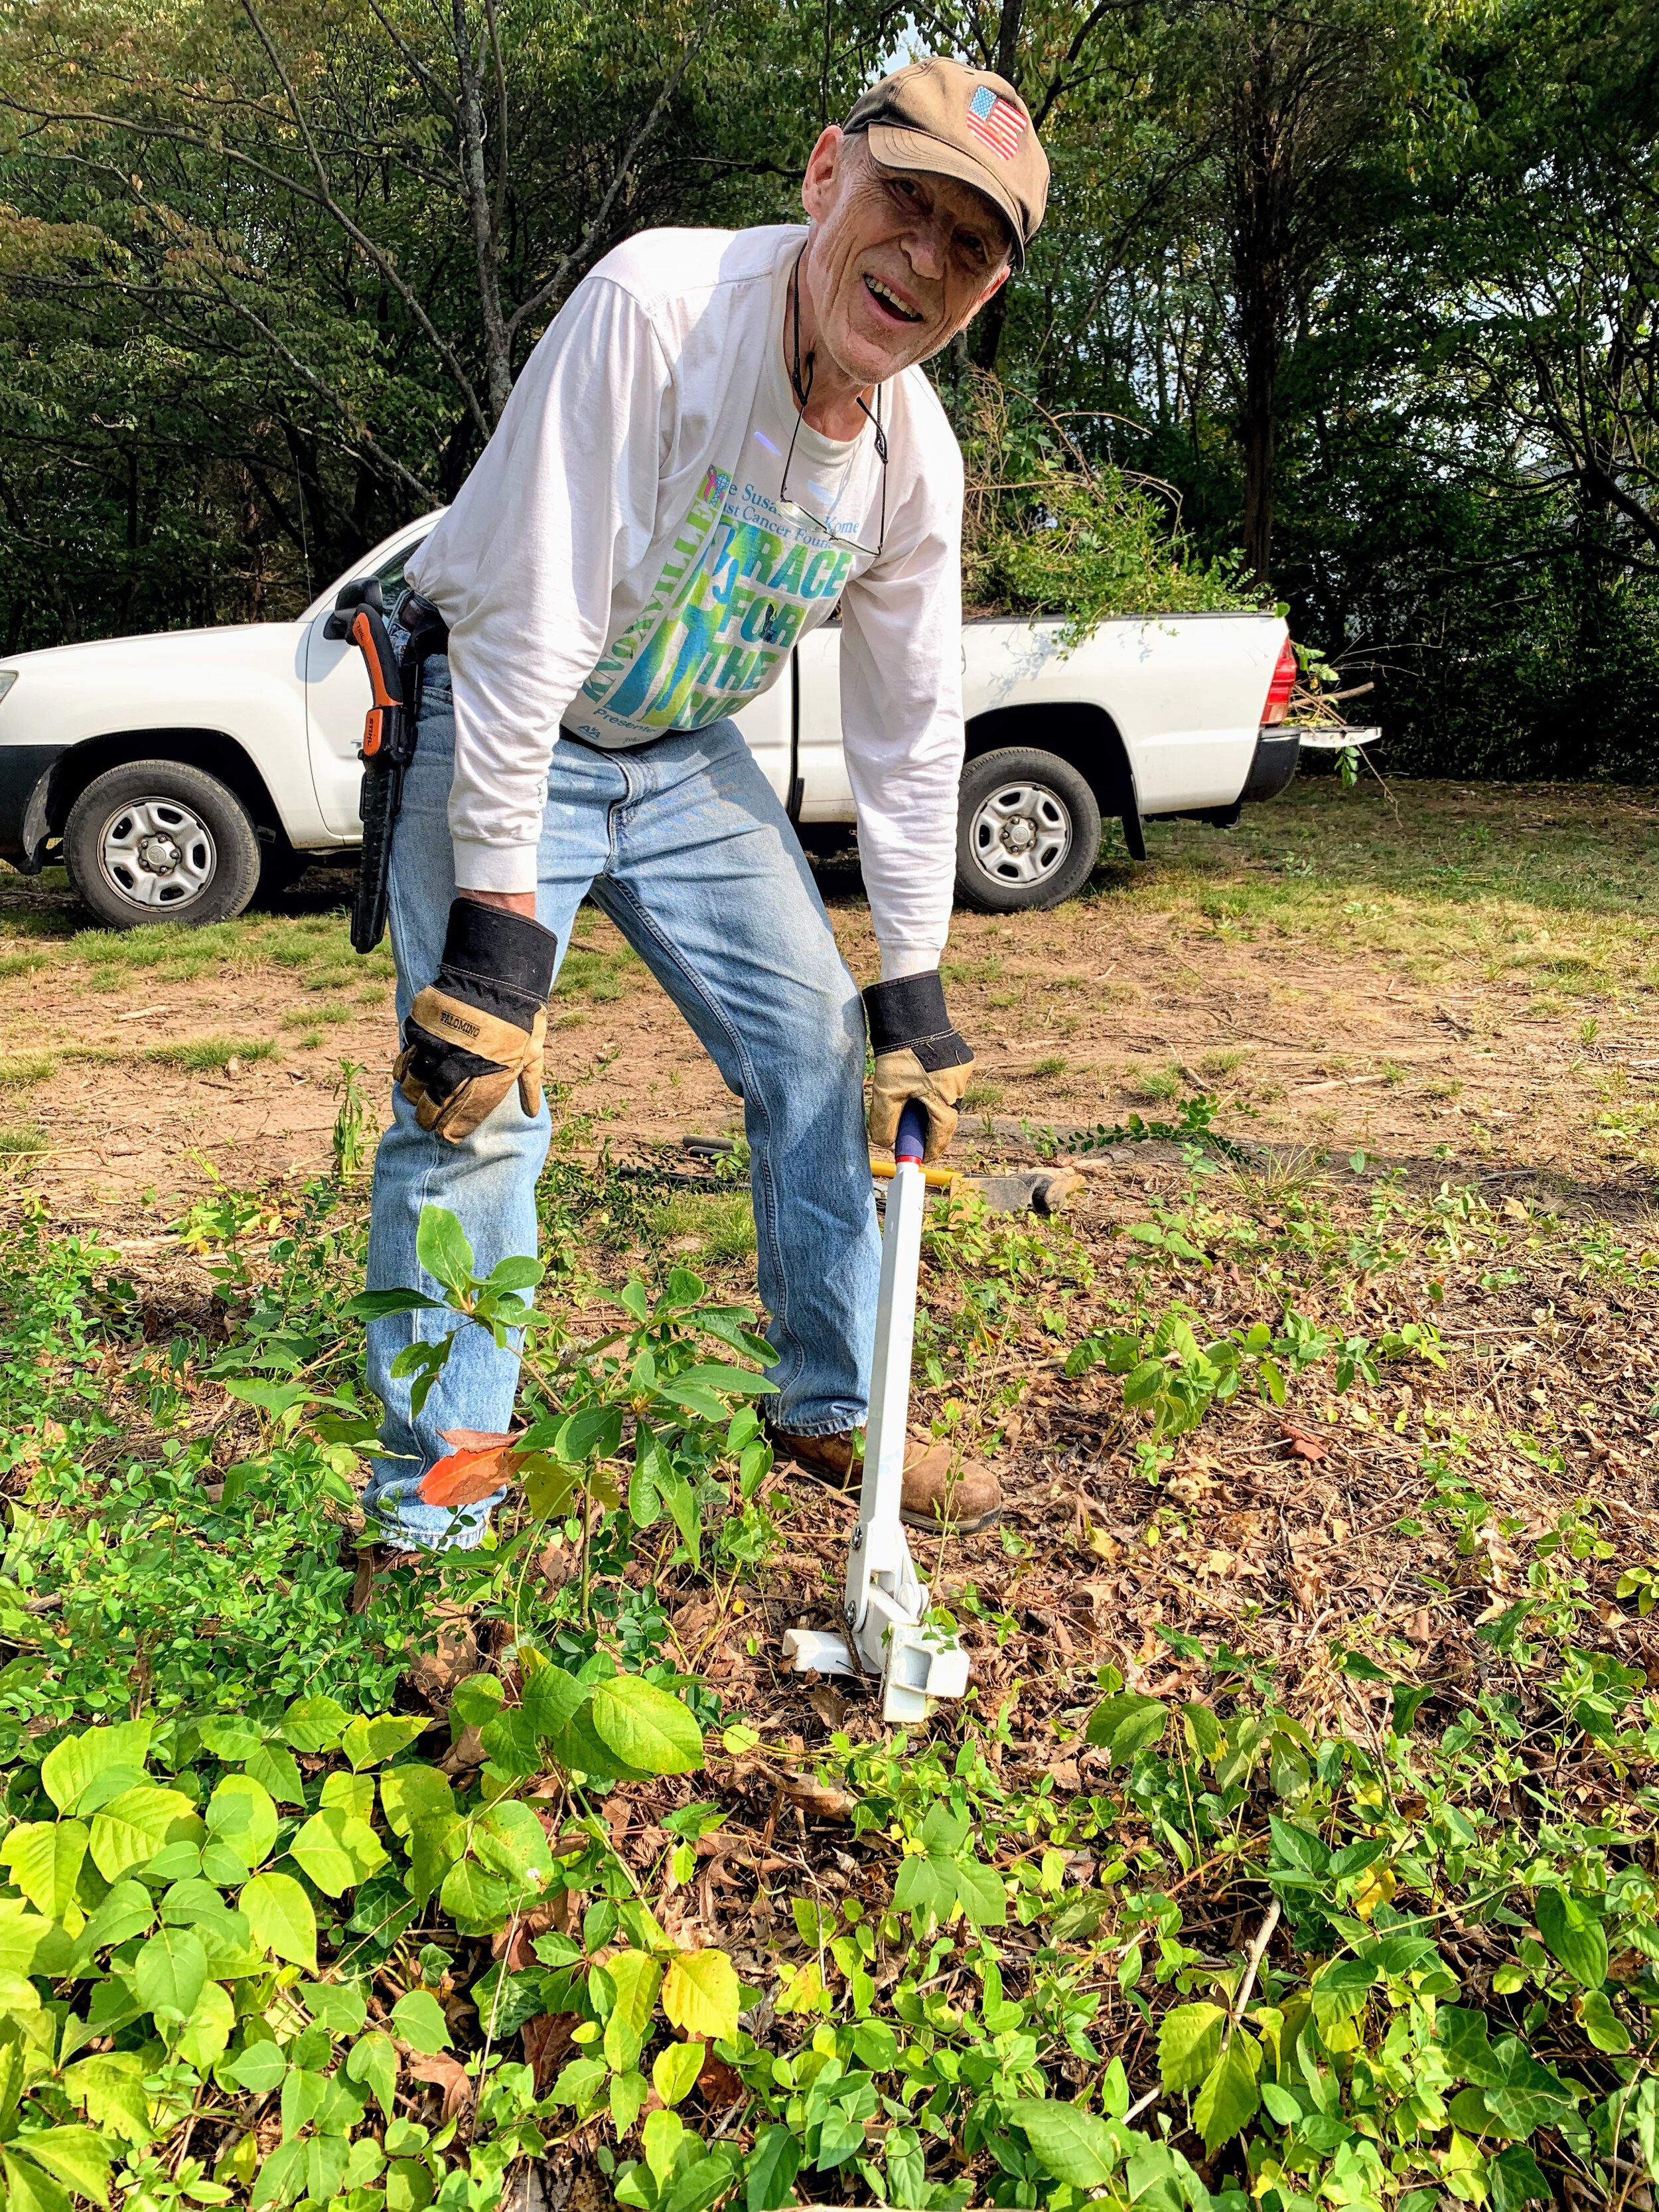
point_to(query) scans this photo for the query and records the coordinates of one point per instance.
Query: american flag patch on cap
(997, 121)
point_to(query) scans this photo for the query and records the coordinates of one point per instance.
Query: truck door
(827, 794)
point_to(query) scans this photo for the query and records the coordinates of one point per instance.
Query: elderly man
(724, 437)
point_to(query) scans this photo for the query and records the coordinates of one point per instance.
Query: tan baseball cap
(948, 120)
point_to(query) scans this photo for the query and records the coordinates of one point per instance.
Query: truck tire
(158, 841)
(1028, 831)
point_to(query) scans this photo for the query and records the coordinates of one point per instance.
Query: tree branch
(579, 252)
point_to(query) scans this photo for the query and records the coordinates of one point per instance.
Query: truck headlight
(7, 677)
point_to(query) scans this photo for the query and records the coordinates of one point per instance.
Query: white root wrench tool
(887, 1632)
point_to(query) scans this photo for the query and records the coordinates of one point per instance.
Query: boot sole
(931, 1527)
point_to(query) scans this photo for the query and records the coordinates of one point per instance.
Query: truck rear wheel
(158, 841)
(1028, 831)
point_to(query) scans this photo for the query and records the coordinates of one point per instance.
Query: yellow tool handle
(935, 1178)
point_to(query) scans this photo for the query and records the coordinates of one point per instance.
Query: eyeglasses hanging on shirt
(803, 391)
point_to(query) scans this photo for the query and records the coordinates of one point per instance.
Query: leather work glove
(918, 1055)
(479, 1025)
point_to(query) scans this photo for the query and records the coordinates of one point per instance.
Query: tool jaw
(888, 1634)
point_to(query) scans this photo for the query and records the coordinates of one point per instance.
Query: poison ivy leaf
(242, 1814)
(76, 2155)
(925, 1885)
(314, 1725)
(1283, 2104)
(1573, 1934)
(770, 2170)
(1340, 1990)
(375, 1305)
(413, 1794)
(168, 1972)
(1462, 2035)
(337, 1851)
(442, 1247)
(280, 1917)
(110, 2090)
(635, 1977)
(69, 1767)
(1228, 2095)
(132, 1827)
(674, 2071)
(373, 2060)
(510, 1840)
(1601, 2024)
(700, 1994)
(477, 1698)
(419, 2019)
(127, 1911)
(1189, 2039)
(368, 1743)
(646, 1727)
(43, 1858)
(29, 2190)
(209, 2029)
(982, 1894)
(1071, 2144)
(340, 2007)
(260, 2067)
(1127, 1723)
(229, 1737)
(274, 1765)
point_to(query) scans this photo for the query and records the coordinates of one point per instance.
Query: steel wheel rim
(156, 854)
(1021, 835)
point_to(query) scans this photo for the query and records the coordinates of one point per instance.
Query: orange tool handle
(362, 635)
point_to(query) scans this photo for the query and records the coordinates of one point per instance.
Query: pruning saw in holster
(389, 733)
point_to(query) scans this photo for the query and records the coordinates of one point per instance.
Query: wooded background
(1355, 296)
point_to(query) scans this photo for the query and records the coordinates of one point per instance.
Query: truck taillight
(1283, 683)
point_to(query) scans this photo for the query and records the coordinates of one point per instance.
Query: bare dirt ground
(1439, 974)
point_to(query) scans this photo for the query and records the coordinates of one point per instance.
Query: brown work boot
(962, 1498)
(433, 1674)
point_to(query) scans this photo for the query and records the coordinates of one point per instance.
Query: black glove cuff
(908, 1015)
(499, 962)
(900, 1011)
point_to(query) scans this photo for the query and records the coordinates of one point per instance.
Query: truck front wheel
(158, 840)
(1028, 831)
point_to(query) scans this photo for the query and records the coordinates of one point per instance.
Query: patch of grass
(199, 1053)
(1151, 1083)
(375, 995)
(97, 1055)
(18, 1140)
(724, 1227)
(1055, 1064)
(1223, 1063)
(983, 970)
(310, 1040)
(332, 978)
(604, 977)
(22, 964)
(982, 1094)
(19, 1069)
(333, 1014)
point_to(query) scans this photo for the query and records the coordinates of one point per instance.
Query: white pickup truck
(180, 774)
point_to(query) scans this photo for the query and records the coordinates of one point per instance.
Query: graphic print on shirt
(743, 580)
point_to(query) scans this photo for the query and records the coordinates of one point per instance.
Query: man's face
(899, 261)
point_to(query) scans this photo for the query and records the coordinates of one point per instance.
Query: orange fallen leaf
(482, 1463)
(449, 2074)
(1302, 1446)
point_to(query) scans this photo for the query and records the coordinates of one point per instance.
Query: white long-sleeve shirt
(620, 562)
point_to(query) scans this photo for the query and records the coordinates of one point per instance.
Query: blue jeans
(685, 846)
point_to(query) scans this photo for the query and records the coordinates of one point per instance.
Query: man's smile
(888, 302)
